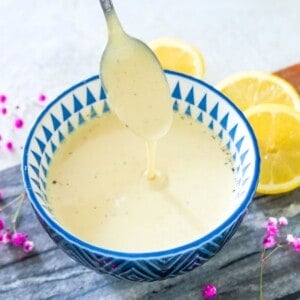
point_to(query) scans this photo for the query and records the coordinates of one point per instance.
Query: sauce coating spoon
(135, 83)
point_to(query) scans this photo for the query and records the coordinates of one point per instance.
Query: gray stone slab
(48, 273)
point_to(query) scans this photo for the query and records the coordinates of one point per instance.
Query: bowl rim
(56, 227)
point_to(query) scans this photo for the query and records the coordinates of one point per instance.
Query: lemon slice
(251, 88)
(180, 56)
(277, 129)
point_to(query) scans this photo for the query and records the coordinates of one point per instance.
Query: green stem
(263, 259)
(273, 251)
(11, 202)
(261, 291)
(17, 212)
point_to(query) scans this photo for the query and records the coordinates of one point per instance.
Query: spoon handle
(106, 5)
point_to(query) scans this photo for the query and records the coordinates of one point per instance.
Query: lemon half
(180, 56)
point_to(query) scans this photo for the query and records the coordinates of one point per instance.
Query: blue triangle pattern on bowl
(70, 127)
(43, 183)
(220, 134)
(93, 113)
(35, 170)
(47, 133)
(200, 117)
(203, 103)
(106, 108)
(36, 183)
(102, 94)
(37, 157)
(61, 137)
(65, 112)
(224, 121)
(81, 119)
(90, 99)
(190, 97)
(232, 131)
(55, 123)
(44, 170)
(177, 92)
(175, 106)
(239, 143)
(76, 104)
(188, 111)
(152, 269)
(53, 147)
(40, 144)
(48, 159)
(214, 111)
(243, 156)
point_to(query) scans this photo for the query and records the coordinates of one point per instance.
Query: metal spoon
(134, 81)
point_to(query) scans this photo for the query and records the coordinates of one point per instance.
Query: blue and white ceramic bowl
(191, 97)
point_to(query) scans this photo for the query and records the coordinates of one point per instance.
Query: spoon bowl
(134, 81)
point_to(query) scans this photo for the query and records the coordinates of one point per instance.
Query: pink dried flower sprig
(273, 236)
(10, 235)
(19, 123)
(209, 291)
(42, 97)
(9, 144)
(28, 246)
(5, 237)
(18, 238)
(296, 244)
(3, 98)
(276, 239)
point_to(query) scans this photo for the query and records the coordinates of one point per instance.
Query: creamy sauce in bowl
(98, 190)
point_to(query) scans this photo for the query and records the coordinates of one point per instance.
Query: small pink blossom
(269, 242)
(19, 123)
(28, 246)
(42, 97)
(290, 238)
(6, 237)
(272, 221)
(272, 230)
(282, 221)
(3, 98)
(209, 291)
(18, 238)
(2, 224)
(4, 110)
(9, 146)
(296, 244)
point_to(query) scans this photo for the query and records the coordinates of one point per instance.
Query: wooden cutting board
(291, 74)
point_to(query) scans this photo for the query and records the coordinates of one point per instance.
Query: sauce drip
(137, 88)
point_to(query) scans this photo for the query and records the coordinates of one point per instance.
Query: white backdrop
(47, 46)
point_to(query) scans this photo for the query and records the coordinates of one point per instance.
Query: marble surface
(47, 46)
(48, 273)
